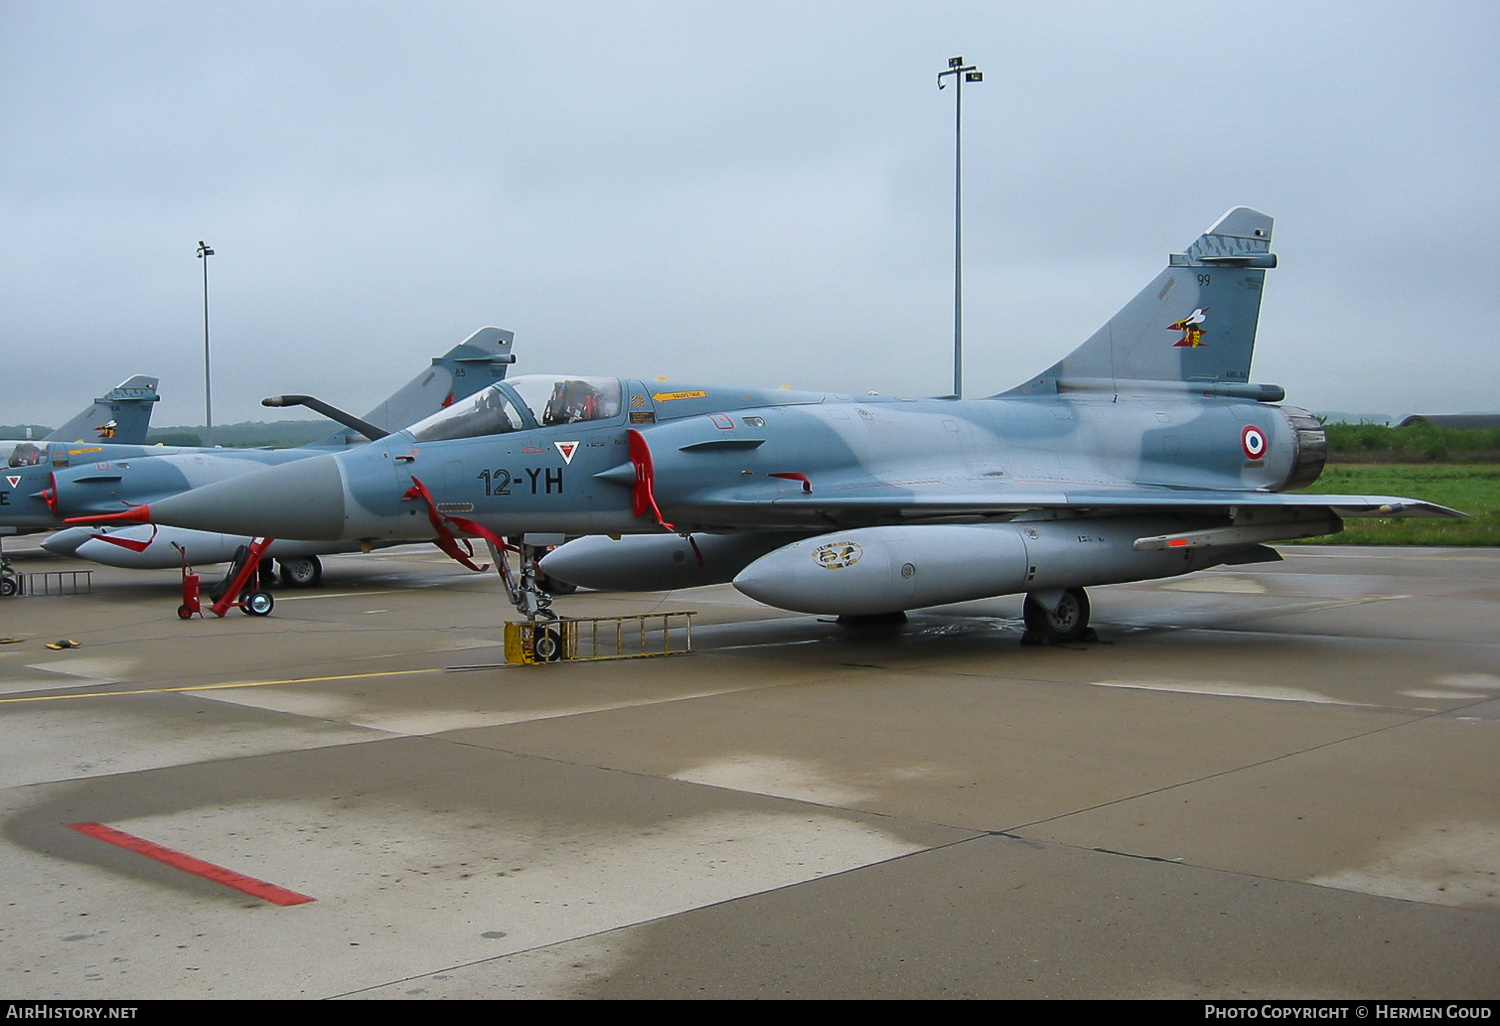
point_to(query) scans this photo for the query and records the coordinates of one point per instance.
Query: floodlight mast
(961, 73)
(204, 252)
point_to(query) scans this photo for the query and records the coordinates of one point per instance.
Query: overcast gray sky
(742, 193)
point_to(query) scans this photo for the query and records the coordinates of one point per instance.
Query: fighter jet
(115, 423)
(1145, 453)
(111, 484)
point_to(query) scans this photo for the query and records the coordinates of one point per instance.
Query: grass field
(1473, 488)
(1416, 443)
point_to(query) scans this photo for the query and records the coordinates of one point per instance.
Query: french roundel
(1253, 441)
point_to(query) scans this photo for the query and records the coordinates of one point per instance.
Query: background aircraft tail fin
(1192, 329)
(121, 416)
(477, 362)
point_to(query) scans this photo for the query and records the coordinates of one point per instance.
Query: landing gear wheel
(1068, 623)
(184, 612)
(257, 603)
(301, 571)
(546, 645)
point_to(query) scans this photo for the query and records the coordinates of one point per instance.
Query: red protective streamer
(447, 541)
(129, 543)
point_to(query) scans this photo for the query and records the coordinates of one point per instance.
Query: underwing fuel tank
(657, 562)
(149, 547)
(886, 569)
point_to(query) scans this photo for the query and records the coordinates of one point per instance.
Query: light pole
(961, 73)
(204, 252)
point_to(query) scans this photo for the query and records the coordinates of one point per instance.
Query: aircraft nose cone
(303, 500)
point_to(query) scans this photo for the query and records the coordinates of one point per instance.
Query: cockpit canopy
(554, 400)
(528, 401)
(28, 454)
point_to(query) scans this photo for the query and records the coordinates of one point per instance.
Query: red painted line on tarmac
(177, 860)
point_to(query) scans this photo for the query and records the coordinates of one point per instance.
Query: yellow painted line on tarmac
(225, 687)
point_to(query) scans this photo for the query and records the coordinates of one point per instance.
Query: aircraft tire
(301, 571)
(546, 645)
(257, 603)
(1068, 623)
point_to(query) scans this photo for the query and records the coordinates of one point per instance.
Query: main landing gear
(301, 571)
(1058, 618)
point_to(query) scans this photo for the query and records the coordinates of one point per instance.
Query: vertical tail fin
(122, 415)
(1192, 329)
(477, 362)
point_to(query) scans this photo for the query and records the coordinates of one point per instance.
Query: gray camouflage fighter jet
(1145, 453)
(127, 478)
(114, 423)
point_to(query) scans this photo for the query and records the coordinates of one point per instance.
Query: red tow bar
(253, 603)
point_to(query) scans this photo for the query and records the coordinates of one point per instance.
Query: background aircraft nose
(302, 500)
